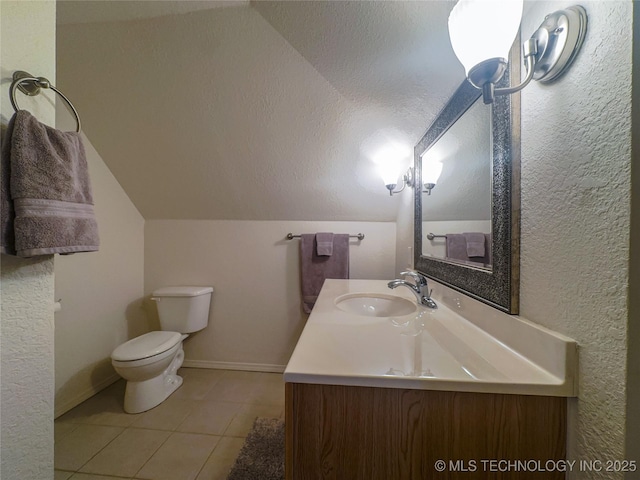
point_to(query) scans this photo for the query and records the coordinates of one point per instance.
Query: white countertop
(429, 349)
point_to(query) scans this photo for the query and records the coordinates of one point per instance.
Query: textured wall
(101, 291)
(26, 324)
(268, 111)
(256, 311)
(576, 159)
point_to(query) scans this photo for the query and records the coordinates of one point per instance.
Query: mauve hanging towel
(7, 214)
(324, 244)
(475, 244)
(46, 192)
(315, 269)
(456, 247)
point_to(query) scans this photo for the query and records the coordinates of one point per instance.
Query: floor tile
(60, 475)
(222, 459)
(202, 373)
(180, 439)
(62, 429)
(237, 390)
(195, 389)
(166, 416)
(88, 476)
(243, 375)
(77, 448)
(269, 411)
(241, 424)
(272, 378)
(105, 408)
(269, 393)
(211, 418)
(126, 454)
(249, 387)
(197, 382)
(180, 458)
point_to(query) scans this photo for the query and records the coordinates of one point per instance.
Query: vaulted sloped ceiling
(257, 111)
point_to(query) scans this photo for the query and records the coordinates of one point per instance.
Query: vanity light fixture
(430, 174)
(482, 32)
(407, 179)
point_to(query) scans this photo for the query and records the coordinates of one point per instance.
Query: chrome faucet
(420, 288)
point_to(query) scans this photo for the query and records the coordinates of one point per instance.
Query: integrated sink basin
(375, 305)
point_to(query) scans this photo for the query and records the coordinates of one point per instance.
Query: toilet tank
(183, 309)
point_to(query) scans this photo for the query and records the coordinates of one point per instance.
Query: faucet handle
(420, 279)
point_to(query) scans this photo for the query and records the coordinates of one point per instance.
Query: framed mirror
(461, 199)
(467, 229)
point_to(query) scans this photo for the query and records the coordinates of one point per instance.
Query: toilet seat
(146, 346)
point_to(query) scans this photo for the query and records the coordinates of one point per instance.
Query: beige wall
(576, 162)
(26, 327)
(255, 315)
(101, 292)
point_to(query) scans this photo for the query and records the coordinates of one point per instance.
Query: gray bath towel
(475, 244)
(49, 186)
(324, 244)
(7, 239)
(315, 269)
(456, 247)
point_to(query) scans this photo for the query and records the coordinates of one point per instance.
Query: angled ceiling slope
(268, 111)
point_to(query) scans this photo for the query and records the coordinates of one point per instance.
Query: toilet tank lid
(147, 345)
(181, 291)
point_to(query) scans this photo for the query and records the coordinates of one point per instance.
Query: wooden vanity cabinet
(362, 433)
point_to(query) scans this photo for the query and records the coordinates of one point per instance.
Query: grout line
(208, 457)
(216, 448)
(105, 446)
(154, 452)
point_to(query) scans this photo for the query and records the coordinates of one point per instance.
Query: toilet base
(147, 394)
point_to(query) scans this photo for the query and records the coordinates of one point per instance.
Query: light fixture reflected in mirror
(482, 31)
(430, 174)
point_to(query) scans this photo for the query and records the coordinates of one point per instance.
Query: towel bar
(431, 236)
(30, 85)
(359, 236)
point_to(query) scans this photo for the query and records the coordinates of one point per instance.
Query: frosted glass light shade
(483, 29)
(431, 172)
(390, 160)
(389, 171)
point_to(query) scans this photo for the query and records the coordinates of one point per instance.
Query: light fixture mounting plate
(559, 39)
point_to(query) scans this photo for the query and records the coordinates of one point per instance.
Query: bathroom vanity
(380, 388)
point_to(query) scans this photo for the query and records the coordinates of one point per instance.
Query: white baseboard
(62, 408)
(250, 367)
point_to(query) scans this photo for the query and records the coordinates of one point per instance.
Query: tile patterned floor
(195, 434)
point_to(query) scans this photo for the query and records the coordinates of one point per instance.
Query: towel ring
(30, 85)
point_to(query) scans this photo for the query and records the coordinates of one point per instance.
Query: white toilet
(151, 361)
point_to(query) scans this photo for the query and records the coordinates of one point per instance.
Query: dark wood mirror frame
(498, 287)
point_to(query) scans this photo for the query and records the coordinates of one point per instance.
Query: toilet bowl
(151, 361)
(150, 364)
